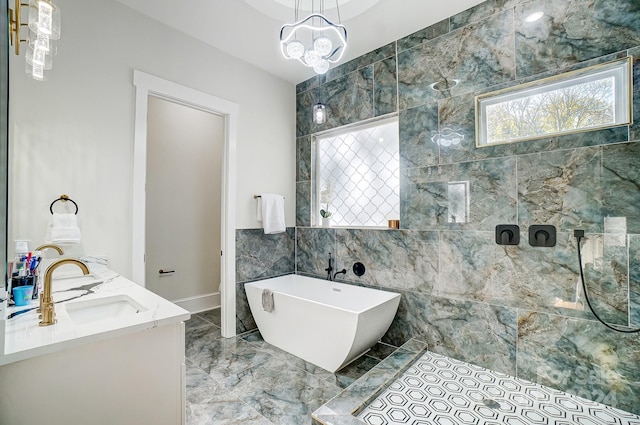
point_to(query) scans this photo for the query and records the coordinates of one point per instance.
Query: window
(591, 98)
(357, 176)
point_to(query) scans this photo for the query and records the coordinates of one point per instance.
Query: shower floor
(440, 390)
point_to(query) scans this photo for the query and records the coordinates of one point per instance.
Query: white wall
(73, 134)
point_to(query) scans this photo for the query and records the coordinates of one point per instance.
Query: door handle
(166, 271)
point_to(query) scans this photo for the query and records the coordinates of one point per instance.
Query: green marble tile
(423, 35)
(303, 203)
(473, 332)
(394, 259)
(385, 87)
(313, 246)
(304, 157)
(481, 11)
(474, 195)
(573, 31)
(259, 256)
(416, 128)
(460, 62)
(580, 357)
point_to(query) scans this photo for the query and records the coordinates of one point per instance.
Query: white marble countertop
(25, 339)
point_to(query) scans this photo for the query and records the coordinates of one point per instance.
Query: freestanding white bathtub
(325, 323)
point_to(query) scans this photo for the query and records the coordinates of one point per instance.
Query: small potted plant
(326, 217)
(325, 198)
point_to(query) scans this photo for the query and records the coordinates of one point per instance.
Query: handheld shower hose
(579, 234)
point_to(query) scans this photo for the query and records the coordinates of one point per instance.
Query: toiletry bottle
(21, 251)
(35, 272)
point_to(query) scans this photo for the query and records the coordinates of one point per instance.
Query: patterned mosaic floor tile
(440, 390)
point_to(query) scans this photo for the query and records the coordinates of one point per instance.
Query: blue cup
(22, 295)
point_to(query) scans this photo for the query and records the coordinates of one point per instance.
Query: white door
(183, 200)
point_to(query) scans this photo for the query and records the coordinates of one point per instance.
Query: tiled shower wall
(508, 308)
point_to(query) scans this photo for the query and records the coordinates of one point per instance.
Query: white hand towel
(272, 213)
(267, 300)
(64, 229)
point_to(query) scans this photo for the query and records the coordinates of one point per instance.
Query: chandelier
(315, 41)
(44, 28)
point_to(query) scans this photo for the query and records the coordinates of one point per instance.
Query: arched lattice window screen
(358, 178)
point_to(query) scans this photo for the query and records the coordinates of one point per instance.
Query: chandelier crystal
(43, 28)
(315, 41)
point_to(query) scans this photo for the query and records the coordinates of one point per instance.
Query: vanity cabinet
(103, 367)
(134, 379)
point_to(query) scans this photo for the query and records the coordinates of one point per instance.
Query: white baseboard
(200, 303)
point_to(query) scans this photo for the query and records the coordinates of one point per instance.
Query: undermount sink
(113, 307)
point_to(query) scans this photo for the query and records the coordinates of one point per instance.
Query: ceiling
(249, 29)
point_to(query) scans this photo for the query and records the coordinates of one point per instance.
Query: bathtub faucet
(329, 269)
(343, 271)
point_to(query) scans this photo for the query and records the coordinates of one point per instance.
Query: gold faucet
(42, 248)
(48, 307)
(52, 246)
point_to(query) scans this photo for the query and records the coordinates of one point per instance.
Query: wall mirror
(4, 129)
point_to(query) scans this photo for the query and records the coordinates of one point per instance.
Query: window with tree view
(588, 99)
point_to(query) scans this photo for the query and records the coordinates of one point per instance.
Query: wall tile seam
(576, 66)
(449, 31)
(498, 11)
(516, 345)
(377, 229)
(493, 305)
(266, 277)
(600, 146)
(309, 274)
(446, 164)
(630, 321)
(357, 69)
(373, 90)
(516, 310)
(515, 51)
(517, 155)
(453, 31)
(581, 319)
(347, 73)
(397, 93)
(517, 196)
(444, 231)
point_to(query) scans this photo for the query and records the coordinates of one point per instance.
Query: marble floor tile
(282, 393)
(223, 357)
(208, 402)
(212, 316)
(246, 380)
(381, 351)
(354, 370)
(196, 321)
(199, 336)
(255, 339)
(342, 378)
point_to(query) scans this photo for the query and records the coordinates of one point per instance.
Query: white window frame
(316, 219)
(620, 70)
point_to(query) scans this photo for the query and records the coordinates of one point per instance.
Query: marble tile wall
(260, 256)
(515, 309)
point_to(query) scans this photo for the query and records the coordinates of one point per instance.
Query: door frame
(146, 85)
